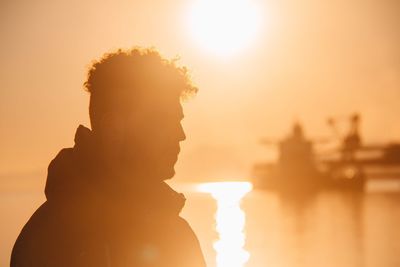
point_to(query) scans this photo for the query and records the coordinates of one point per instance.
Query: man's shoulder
(32, 239)
(37, 234)
(185, 230)
(183, 224)
(188, 240)
(39, 219)
(51, 236)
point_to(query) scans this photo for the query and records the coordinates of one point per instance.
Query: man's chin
(161, 174)
(169, 174)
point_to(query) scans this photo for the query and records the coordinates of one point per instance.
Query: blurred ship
(345, 167)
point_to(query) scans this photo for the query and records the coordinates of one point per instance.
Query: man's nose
(182, 135)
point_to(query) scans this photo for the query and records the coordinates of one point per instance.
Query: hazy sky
(311, 59)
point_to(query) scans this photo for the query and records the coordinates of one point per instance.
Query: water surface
(238, 227)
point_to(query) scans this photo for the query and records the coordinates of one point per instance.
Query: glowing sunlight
(224, 26)
(230, 221)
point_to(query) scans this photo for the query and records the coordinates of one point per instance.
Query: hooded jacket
(88, 221)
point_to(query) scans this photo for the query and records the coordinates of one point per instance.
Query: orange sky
(310, 60)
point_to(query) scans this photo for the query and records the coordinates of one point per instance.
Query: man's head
(135, 110)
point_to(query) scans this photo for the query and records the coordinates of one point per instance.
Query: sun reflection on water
(230, 221)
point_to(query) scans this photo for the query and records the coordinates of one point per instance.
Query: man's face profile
(152, 138)
(143, 135)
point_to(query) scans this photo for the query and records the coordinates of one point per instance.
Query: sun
(224, 26)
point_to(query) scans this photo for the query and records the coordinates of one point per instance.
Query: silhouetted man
(107, 202)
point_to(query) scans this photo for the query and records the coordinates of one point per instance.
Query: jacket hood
(76, 174)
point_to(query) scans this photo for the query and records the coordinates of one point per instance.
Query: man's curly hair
(134, 73)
